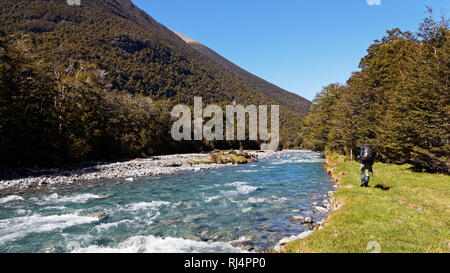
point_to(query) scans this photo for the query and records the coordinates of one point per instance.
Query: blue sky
(298, 45)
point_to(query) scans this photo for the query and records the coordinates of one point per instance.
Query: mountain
(289, 100)
(139, 55)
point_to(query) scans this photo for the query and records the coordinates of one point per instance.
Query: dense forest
(98, 81)
(399, 101)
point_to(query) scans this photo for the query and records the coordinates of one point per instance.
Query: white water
(194, 212)
(152, 244)
(15, 228)
(10, 198)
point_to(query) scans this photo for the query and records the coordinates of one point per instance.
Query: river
(189, 212)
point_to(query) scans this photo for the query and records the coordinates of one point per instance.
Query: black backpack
(367, 155)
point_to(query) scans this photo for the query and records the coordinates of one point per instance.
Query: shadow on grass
(382, 187)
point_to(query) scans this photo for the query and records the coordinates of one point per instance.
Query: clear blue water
(190, 212)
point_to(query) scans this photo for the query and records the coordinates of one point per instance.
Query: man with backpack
(367, 159)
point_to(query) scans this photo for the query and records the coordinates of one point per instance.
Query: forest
(98, 82)
(399, 101)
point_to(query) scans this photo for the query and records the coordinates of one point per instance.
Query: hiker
(367, 159)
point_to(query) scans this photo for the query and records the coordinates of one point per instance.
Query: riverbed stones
(19, 180)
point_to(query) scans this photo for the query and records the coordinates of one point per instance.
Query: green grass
(410, 214)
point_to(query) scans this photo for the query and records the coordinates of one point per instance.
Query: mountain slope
(288, 99)
(140, 55)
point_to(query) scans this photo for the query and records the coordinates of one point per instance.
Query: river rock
(168, 222)
(278, 248)
(296, 218)
(99, 215)
(173, 164)
(192, 218)
(204, 235)
(320, 209)
(244, 245)
(302, 235)
(307, 220)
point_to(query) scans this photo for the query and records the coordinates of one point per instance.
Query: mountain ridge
(244, 74)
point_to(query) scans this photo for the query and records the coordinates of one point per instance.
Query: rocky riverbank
(329, 204)
(22, 180)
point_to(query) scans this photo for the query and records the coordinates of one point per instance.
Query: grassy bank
(403, 211)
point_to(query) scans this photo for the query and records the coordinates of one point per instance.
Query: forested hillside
(98, 81)
(399, 101)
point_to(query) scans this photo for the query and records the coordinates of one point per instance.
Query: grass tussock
(228, 157)
(402, 211)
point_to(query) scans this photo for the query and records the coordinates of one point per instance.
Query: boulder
(101, 215)
(320, 209)
(296, 218)
(173, 165)
(307, 220)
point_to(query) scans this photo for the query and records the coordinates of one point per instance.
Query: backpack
(367, 155)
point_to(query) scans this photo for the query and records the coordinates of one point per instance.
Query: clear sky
(298, 45)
